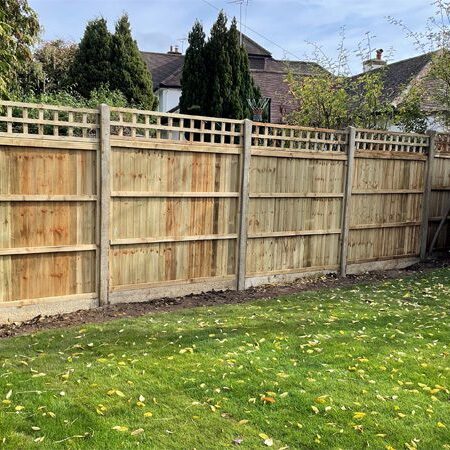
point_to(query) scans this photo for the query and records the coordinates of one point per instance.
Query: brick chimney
(374, 63)
(174, 50)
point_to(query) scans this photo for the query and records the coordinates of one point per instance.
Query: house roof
(253, 48)
(398, 75)
(174, 79)
(273, 85)
(298, 67)
(162, 66)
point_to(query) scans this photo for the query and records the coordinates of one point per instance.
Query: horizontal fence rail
(115, 204)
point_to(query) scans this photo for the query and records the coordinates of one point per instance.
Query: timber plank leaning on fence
(347, 199)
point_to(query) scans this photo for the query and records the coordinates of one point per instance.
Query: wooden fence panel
(296, 191)
(387, 195)
(174, 210)
(48, 194)
(109, 205)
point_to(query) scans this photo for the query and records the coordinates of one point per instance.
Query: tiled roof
(173, 80)
(162, 66)
(253, 48)
(273, 86)
(298, 67)
(398, 75)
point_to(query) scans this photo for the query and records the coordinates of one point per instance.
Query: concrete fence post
(350, 162)
(243, 203)
(427, 194)
(103, 204)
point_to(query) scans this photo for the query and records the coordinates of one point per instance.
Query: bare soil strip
(212, 298)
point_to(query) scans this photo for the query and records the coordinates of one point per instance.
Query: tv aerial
(241, 3)
(182, 40)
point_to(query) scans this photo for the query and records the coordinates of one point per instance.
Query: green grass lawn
(360, 367)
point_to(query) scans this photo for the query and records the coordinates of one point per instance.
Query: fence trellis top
(46, 121)
(38, 120)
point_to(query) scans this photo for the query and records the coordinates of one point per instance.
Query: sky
(284, 27)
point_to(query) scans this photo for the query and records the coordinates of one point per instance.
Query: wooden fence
(110, 205)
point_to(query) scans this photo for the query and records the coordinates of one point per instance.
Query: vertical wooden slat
(69, 128)
(9, 127)
(55, 127)
(25, 116)
(120, 132)
(202, 131)
(147, 131)
(427, 193)
(346, 200)
(439, 229)
(133, 125)
(170, 133)
(190, 125)
(243, 204)
(41, 119)
(84, 130)
(104, 189)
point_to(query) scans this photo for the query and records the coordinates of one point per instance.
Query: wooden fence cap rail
(296, 127)
(173, 115)
(49, 107)
(395, 133)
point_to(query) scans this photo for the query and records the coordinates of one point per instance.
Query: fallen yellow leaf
(136, 432)
(321, 399)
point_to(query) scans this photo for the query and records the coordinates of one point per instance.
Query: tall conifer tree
(91, 68)
(218, 69)
(234, 104)
(193, 79)
(216, 76)
(130, 74)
